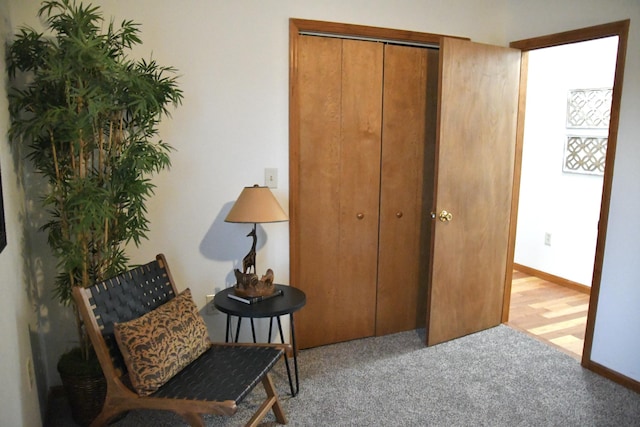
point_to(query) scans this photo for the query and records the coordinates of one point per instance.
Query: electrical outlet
(547, 239)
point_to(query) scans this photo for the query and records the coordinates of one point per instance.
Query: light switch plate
(271, 177)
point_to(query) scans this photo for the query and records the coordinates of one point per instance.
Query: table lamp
(254, 205)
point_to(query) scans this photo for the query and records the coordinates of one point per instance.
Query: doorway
(561, 214)
(564, 149)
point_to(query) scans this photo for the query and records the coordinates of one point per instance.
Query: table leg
(295, 352)
(238, 328)
(286, 358)
(270, 329)
(280, 329)
(226, 334)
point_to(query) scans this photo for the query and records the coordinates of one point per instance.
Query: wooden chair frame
(120, 397)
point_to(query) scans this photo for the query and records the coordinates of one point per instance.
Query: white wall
(20, 400)
(565, 205)
(233, 59)
(616, 342)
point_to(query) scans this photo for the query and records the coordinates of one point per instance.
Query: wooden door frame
(296, 27)
(620, 29)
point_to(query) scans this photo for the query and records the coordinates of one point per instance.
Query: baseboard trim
(614, 376)
(553, 279)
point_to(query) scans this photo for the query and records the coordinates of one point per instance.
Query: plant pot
(85, 395)
(84, 385)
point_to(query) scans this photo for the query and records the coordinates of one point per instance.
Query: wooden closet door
(339, 88)
(475, 160)
(401, 303)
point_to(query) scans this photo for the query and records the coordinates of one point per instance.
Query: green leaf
(89, 116)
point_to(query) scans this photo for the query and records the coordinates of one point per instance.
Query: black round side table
(291, 300)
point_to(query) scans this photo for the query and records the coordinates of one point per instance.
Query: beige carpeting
(498, 377)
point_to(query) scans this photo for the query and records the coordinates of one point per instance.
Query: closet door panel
(359, 186)
(475, 156)
(400, 285)
(337, 203)
(319, 86)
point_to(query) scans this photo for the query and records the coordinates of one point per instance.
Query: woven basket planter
(85, 395)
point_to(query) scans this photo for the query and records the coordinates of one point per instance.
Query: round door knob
(359, 215)
(445, 216)
(399, 214)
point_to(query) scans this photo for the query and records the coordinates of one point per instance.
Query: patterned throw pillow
(159, 344)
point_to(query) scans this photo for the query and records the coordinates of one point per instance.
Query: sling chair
(150, 363)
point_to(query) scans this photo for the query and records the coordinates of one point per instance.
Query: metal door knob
(359, 215)
(445, 216)
(399, 214)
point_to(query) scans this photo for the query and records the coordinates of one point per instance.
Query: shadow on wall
(3, 230)
(39, 370)
(49, 322)
(226, 241)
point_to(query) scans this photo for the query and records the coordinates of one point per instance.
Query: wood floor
(552, 313)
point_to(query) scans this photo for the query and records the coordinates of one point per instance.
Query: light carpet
(498, 377)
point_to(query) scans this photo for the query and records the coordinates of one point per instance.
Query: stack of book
(253, 300)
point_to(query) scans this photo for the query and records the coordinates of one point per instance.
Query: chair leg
(194, 420)
(271, 402)
(271, 392)
(108, 412)
(101, 420)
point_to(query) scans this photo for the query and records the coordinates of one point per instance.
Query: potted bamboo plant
(89, 115)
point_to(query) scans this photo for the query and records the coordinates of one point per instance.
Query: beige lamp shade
(256, 205)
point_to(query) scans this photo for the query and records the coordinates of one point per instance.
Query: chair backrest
(124, 297)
